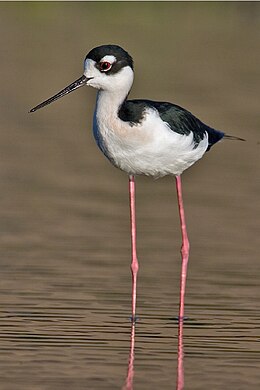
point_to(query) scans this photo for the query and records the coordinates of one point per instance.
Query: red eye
(105, 66)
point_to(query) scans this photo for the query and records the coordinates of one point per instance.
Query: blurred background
(65, 246)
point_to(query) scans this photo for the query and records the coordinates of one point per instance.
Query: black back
(179, 120)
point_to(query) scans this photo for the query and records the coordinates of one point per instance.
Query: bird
(141, 137)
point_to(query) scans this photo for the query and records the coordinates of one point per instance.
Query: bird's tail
(232, 137)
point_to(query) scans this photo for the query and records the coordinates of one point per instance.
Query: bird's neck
(109, 102)
(110, 99)
(106, 120)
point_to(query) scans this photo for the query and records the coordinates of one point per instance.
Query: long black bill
(72, 87)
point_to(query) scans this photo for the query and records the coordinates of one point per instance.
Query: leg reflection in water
(129, 382)
(180, 368)
(130, 372)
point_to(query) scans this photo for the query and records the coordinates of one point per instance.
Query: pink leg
(134, 264)
(184, 249)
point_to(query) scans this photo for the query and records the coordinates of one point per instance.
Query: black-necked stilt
(141, 136)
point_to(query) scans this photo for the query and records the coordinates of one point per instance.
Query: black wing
(179, 120)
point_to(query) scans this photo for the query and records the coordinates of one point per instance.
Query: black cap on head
(121, 55)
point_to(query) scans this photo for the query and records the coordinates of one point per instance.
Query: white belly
(150, 148)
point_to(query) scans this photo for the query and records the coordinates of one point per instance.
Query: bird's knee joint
(185, 250)
(135, 266)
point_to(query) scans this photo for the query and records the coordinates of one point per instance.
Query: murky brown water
(65, 248)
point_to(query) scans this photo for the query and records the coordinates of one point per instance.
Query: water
(65, 247)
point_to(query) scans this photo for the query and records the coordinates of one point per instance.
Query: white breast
(149, 148)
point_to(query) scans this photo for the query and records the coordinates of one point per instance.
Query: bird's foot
(181, 319)
(134, 319)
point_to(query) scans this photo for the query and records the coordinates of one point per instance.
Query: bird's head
(109, 68)
(106, 67)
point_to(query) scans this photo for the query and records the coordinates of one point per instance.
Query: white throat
(106, 124)
(110, 98)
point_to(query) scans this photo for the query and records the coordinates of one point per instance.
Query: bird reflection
(180, 367)
(129, 382)
(130, 371)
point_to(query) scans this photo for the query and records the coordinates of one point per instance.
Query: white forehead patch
(109, 58)
(89, 64)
